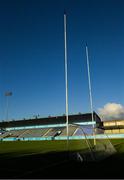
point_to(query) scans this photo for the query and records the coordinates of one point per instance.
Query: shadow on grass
(59, 165)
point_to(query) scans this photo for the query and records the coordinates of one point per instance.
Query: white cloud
(111, 111)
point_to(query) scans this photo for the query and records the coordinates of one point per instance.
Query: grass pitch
(27, 147)
(49, 159)
(17, 148)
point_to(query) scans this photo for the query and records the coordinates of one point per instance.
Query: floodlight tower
(7, 94)
(90, 93)
(66, 75)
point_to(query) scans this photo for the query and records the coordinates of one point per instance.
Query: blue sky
(32, 55)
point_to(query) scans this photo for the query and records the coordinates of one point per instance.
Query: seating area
(16, 133)
(54, 131)
(39, 132)
(6, 134)
(12, 133)
(72, 130)
(34, 132)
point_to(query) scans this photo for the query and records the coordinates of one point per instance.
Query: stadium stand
(53, 131)
(48, 127)
(12, 133)
(113, 127)
(16, 133)
(34, 132)
(71, 131)
(5, 134)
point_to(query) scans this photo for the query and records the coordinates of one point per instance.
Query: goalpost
(66, 76)
(90, 93)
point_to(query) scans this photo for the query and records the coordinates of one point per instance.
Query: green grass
(116, 141)
(14, 163)
(119, 146)
(40, 146)
(27, 147)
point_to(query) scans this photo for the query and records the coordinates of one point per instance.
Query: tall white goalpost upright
(90, 93)
(66, 74)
